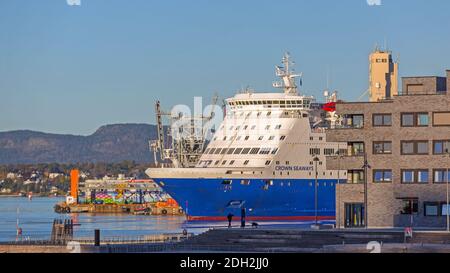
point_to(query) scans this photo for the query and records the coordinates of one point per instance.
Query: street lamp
(316, 159)
(366, 166)
(446, 209)
(338, 209)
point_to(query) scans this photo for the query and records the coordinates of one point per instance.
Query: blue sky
(71, 69)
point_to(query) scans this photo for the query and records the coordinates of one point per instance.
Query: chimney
(74, 177)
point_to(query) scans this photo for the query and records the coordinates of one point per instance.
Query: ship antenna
(287, 76)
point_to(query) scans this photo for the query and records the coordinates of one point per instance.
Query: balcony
(346, 162)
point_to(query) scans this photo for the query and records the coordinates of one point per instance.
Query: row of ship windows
(238, 138)
(246, 162)
(224, 162)
(237, 128)
(268, 183)
(242, 151)
(266, 151)
(294, 103)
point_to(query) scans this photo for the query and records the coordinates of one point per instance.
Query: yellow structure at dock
(140, 209)
(121, 195)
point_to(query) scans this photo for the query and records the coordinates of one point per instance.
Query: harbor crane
(183, 141)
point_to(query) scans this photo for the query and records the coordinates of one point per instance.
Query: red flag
(330, 107)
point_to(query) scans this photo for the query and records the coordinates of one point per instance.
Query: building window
(314, 151)
(441, 176)
(268, 162)
(274, 151)
(282, 138)
(328, 151)
(247, 137)
(408, 176)
(441, 147)
(355, 148)
(415, 119)
(422, 176)
(271, 137)
(245, 151)
(380, 120)
(354, 121)
(355, 176)
(414, 147)
(445, 210)
(382, 147)
(237, 151)
(261, 138)
(382, 176)
(278, 127)
(246, 162)
(422, 119)
(254, 151)
(410, 206)
(407, 120)
(431, 209)
(415, 176)
(441, 119)
(422, 147)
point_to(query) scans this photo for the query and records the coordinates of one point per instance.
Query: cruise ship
(267, 157)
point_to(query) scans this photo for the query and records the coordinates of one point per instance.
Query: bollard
(97, 237)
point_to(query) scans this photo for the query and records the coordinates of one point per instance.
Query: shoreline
(34, 196)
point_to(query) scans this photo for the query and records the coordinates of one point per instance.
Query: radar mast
(286, 73)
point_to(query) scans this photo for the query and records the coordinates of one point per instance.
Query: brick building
(406, 141)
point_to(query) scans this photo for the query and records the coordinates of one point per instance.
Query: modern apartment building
(406, 141)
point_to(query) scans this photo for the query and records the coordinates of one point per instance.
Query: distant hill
(110, 143)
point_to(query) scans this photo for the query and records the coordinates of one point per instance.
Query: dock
(121, 195)
(137, 209)
(248, 240)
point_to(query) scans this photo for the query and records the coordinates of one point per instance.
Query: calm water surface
(36, 218)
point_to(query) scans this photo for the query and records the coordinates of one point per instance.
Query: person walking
(230, 218)
(243, 218)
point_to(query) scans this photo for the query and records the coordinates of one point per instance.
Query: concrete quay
(267, 240)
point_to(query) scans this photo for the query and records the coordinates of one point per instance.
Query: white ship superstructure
(272, 139)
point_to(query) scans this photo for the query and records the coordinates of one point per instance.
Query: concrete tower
(383, 75)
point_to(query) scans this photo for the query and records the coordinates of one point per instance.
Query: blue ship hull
(277, 199)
